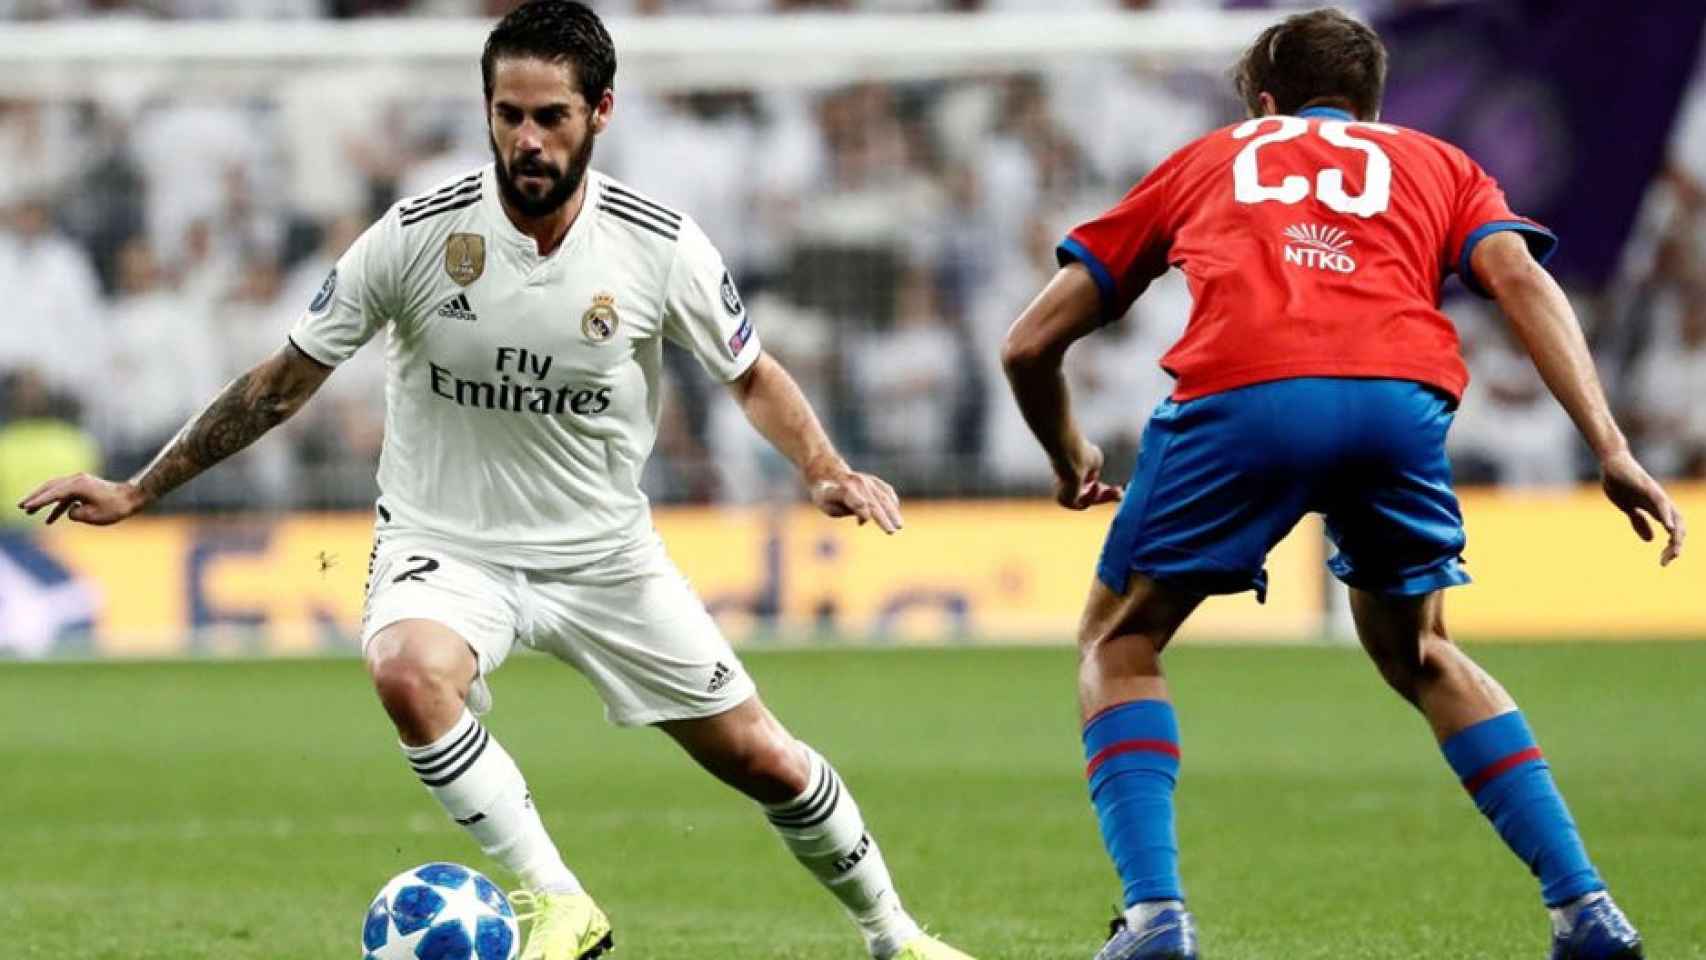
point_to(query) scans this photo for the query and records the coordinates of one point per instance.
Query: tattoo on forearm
(243, 411)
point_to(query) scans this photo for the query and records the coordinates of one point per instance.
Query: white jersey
(522, 391)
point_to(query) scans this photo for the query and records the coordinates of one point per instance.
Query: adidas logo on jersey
(458, 308)
(1322, 248)
(720, 677)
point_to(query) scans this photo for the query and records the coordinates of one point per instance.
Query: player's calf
(1490, 747)
(1450, 689)
(747, 749)
(1131, 755)
(422, 671)
(814, 814)
(824, 829)
(1406, 638)
(1501, 766)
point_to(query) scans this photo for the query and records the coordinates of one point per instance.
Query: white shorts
(630, 623)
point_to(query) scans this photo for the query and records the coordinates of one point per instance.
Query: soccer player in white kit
(525, 307)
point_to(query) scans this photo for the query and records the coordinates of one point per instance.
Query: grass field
(249, 810)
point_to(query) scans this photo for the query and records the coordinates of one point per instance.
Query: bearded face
(542, 132)
(533, 185)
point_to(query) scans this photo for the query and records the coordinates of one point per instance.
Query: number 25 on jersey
(1329, 185)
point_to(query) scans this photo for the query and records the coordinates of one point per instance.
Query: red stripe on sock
(1486, 774)
(1113, 750)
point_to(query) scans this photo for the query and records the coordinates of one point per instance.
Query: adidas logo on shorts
(720, 677)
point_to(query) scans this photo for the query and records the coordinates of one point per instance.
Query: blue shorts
(1221, 479)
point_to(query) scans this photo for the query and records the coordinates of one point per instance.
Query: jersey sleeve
(1481, 212)
(703, 312)
(1126, 247)
(354, 302)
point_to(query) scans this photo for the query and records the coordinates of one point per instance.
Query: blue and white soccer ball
(440, 911)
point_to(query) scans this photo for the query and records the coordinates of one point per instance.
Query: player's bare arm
(249, 406)
(1066, 311)
(1541, 315)
(773, 403)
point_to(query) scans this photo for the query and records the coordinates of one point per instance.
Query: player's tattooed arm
(774, 404)
(1066, 311)
(248, 407)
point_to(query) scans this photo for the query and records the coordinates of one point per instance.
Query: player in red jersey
(1317, 374)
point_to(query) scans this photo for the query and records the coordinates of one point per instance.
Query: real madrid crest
(599, 321)
(465, 257)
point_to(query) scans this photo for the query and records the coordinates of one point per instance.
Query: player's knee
(1400, 676)
(411, 681)
(1438, 658)
(1410, 671)
(1110, 653)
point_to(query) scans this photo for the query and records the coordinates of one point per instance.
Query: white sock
(474, 778)
(1138, 915)
(822, 827)
(1564, 917)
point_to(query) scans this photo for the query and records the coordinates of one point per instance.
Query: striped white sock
(474, 778)
(824, 830)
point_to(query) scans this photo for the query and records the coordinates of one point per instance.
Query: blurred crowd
(297, 9)
(884, 236)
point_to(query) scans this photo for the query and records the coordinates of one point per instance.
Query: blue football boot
(1601, 932)
(1169, 935)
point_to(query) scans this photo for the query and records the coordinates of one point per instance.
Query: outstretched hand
(1079, 486)
(849, 493)
(84, 498)
(1633, 491)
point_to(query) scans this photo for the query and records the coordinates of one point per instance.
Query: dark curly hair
(556, 31)
(1320, 56)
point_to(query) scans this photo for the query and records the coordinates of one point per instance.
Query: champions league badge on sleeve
(323, 300)
(731, 299)
(600, 320)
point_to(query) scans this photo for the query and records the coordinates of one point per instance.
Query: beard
(562, 183)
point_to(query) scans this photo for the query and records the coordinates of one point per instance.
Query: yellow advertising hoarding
(1009, 570)
(1546, 565)
(1567, 564)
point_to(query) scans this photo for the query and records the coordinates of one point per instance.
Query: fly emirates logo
(1322, 248)
(521, 387)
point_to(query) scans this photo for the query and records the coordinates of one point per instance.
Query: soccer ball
(440, 911)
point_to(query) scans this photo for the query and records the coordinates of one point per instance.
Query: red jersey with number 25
(1314, 246)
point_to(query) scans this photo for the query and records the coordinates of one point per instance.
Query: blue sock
(1132, 754)
(1502, 768)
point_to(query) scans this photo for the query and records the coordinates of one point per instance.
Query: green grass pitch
(249, 810)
